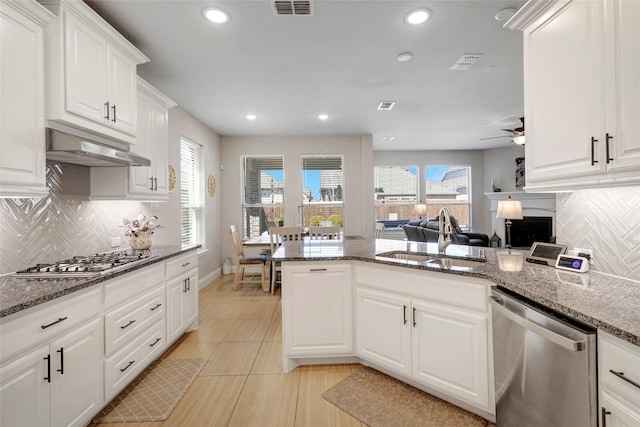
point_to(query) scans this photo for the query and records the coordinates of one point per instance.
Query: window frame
(409, 206)
(434, 208)
(196, 205)
(308, 206)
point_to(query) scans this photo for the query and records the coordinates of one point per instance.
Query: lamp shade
(420, 209)
(509, 209)
(510, 261)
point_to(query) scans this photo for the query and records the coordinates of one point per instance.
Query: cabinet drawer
(124, 366)
(128, 286)
(180, 265)
(43, 322)
(122, 324)
(623, 359)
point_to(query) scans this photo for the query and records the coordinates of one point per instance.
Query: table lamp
(509, 209)
(420, 209)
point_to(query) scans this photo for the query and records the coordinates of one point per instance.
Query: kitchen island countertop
(17, 293)
(609, 303)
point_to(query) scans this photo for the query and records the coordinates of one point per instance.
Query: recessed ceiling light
(323, 116)
(404, 57)
(505, 14)
(251, 116)
(215, 15)
(417, 16)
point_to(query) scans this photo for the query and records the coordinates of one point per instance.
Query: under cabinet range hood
(78, 150)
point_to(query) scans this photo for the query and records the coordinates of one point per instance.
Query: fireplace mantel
(533, 204)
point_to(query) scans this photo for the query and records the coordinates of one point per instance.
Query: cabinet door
(77, 380)
(85, 71)
(317, 310)
(140, 176)
(564, 93)
(191, 298)
(615, 413)
(623, 84)
(450, 351)
(22, 151)
(176, 290)
(121, 82)
(159, 137)
(383, 329)
(24, 390)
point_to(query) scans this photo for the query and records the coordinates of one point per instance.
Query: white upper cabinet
(582, 94)
(91, 73)
(22, 151)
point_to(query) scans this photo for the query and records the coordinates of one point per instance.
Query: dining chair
(379, 234)
(325, 233)
(277, 236)
(243, 262)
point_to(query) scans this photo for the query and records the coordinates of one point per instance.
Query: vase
(141, 240)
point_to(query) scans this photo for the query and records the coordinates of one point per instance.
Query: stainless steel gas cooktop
(87, 266)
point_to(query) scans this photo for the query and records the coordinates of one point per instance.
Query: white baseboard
(204, 281)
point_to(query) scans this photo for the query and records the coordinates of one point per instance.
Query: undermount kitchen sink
(429, 260)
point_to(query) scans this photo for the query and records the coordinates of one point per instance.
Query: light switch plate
(115, 242)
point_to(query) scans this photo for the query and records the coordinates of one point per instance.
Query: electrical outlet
(583, 252)
(115, 242)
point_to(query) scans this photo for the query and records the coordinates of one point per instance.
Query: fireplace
(531, 229)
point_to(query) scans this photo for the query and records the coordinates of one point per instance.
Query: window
(191, 217)
(449, 187)
(262, 194)
(396, 190)
(322, 191)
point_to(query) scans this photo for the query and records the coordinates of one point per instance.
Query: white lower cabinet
(430, 328)
(182, 294)
(618, 382)
(59, 384)
(317, 310)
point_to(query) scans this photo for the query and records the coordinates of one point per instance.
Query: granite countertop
(18, 293)
(605, 302)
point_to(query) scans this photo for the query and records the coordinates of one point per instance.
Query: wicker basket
(141, 240)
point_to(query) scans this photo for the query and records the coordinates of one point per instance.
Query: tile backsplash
(607, 221)
(62, 224)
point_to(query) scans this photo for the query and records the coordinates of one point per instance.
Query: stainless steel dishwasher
(544, 363)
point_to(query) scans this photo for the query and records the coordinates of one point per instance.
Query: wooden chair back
(237, 242)
(325, 233)
(289, 233)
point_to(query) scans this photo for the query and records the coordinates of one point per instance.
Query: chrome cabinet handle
(127, 367)
(60, 319)
(106, 104)
(131, 322)
(61, 370)
(593, 149)
(623, 377)
(114, 113)
(608, 138)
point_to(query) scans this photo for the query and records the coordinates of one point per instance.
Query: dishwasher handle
(565, 342)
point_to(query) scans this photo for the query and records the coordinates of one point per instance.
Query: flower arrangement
(139, 231)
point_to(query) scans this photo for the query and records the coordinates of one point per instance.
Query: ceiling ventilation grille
(465, 62)
(290, 8)
(386, 105)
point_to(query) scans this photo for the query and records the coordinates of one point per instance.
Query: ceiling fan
(517, 134)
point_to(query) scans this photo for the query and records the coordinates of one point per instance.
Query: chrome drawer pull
(622, 377)
(131, 322)
(158, 305)
(127, 367)
(53, 323)
(155, 342)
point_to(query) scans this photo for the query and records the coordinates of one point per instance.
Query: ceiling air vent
(465, 62)
(386, 105)
(295, 7)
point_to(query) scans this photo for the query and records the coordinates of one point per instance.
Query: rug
(154, 394)
(378, 400)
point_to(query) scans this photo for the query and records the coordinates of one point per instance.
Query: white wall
(473, 158)
(182, 124)
(358, 179)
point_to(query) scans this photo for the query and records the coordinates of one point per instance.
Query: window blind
(190, 193)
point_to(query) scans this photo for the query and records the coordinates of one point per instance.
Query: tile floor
(240, 334)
